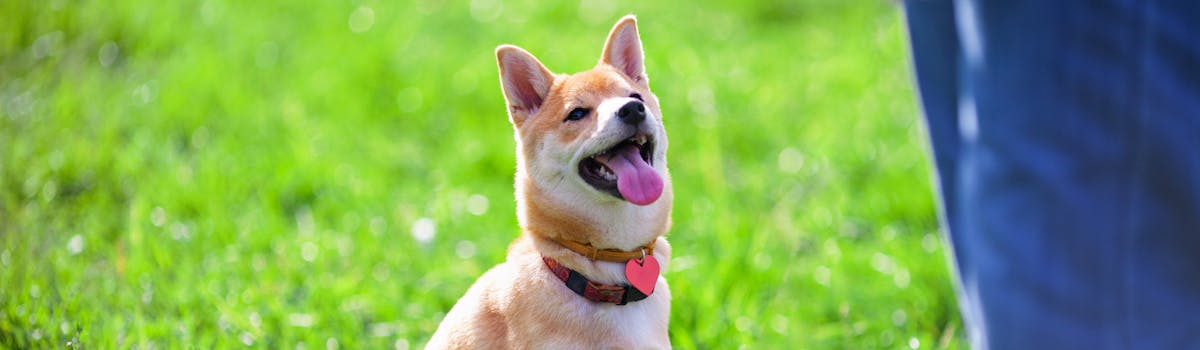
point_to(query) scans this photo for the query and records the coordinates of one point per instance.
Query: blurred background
(335, 174)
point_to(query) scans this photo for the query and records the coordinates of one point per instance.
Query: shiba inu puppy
(593, 201)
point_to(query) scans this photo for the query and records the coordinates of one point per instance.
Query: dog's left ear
(623, 50)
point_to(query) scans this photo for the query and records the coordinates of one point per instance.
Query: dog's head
(591, 148)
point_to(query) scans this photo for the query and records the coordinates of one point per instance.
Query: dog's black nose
(632, 113)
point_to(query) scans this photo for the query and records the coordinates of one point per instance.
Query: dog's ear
(623, 50)
(525, 82)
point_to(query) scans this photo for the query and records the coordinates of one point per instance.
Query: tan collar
(612, 255)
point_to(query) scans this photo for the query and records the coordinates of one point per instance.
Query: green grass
(210, 174)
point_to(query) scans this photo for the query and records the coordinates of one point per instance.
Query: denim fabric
(1066, 137)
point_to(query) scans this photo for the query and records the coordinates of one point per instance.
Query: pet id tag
(642, 273)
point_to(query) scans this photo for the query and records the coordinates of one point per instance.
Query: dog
(593, 202)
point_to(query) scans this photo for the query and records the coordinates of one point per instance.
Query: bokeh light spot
(465, 249)
(899, 318)
(49, 190)
(901, 278)
(790, 160)
(301, 320)
(305, 224)
(486, 10)
(108, 54)
(821, 275)
(158, 217)
(308, 252)
(378, 225)
(47, 45)
(423, 230)
(477, 204)
(143, 94)
(181, 231)
(743, 324)
(595, 11)
(361, 20)
(701, 99)
(780, 324)
(75, 245)
(882, 262)
(381, 272)
(929, 242)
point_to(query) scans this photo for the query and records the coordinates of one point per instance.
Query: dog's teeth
(607, 174)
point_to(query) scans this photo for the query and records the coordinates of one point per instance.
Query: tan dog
(593, 201)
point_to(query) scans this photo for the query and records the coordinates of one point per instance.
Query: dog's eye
(577, 114)
(637, 96)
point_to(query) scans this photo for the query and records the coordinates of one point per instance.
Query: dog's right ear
(525, 82)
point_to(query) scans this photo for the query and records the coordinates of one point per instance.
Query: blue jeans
(1066, 137)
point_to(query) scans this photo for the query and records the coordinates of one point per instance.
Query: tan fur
(520, 303)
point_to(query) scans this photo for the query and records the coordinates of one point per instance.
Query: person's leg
(1074, 198)
(936, 61)
(1162, 270)
(1045, 167)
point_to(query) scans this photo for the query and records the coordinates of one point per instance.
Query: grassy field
(287, 174)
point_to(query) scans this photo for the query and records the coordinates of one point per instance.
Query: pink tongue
(636, 180)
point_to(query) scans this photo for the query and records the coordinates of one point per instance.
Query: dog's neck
(612, 225)
(612, 255)
(545, 223)
(599, 271)
(546, 231)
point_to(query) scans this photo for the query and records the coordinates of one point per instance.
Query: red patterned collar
(600, 293)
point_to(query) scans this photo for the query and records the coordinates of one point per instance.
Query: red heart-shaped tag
(642, 273)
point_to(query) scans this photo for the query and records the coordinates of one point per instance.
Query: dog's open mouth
(625, 170)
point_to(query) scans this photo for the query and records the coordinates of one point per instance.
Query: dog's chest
(637, 325)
